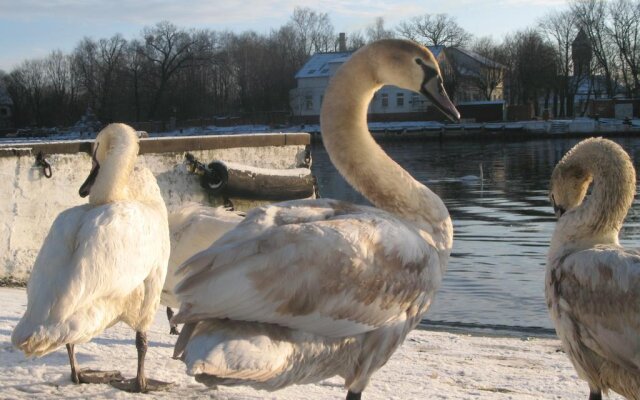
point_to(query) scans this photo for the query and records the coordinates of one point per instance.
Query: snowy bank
(435, 365)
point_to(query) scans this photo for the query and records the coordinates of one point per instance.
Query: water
(502, 223)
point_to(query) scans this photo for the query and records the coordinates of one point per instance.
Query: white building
(314, 76)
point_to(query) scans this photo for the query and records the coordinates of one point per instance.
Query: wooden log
(242, 181)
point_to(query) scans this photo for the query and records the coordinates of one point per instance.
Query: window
(4, 112)
(308, 102)
(415, 100)
(385, 99)
(400, 99)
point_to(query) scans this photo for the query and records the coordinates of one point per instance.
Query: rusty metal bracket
(42, 162)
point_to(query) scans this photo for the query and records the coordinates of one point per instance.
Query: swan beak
(85, 189)
(556, 208)
(434, 91)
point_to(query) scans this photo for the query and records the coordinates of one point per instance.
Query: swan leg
(174, 327)
(353, 396)
(595, 395)
(140, 384)
(89, 375)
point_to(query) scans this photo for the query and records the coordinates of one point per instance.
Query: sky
(32, 29)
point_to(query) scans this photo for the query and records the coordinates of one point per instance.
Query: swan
(304, 290)
(101, 263)
(192, 228)
(592, 284)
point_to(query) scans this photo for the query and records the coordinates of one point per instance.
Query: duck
(592, 283)
(304, 290)
(193, 227)
(101, 263)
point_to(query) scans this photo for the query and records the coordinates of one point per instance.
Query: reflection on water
(502, 223)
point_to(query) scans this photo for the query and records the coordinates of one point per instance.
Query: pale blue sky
(33, 28)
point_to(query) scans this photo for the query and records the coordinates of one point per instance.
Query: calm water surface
(502, 223)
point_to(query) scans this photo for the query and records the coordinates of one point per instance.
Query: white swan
(592, 283)
(101, 262)
(192, 228)
(304, 290)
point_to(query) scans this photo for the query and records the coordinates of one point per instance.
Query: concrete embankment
(31, 201)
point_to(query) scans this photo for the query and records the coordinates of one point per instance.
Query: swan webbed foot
(595, 395)
(94, 376)
(174, 330)
(135, 385)
(87, 375)
(354, 396)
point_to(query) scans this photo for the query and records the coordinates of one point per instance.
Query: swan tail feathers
(223, 352)
(39, 340)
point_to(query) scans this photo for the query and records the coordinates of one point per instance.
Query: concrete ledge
(165, 144)
(31, 201)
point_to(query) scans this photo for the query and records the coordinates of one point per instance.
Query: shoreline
(438, 365)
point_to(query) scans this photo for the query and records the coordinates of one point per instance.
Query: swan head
(569, 185)
(408, 65)
(114, 153)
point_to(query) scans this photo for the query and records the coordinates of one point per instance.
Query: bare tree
(314, 30)
(99, 64)
(490, 72)
(434, 30)
(532, 64)
(355, 40)
(377, 31)
(592, 17)
(625, 32)
(28, 82)
(62, 88)
(561, 29)
(168, 49)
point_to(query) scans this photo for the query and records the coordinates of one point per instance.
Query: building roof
(436, 50)
(478, 58)
(318, 64)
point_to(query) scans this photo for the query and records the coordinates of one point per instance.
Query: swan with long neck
(304, 290)
(192, 228)
(101, 262)
(592, 283)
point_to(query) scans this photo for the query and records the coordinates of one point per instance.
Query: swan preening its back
(304, 290)
(101, 262)
(592, 283)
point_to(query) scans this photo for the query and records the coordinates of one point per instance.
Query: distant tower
(342, 42)
(581, 53)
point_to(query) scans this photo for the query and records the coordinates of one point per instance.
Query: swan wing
(103, 252)
(600, 289)
(193, 228)
(321, 266)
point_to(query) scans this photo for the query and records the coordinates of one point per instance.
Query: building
(390, 102)
(6, 108)
(478, 79)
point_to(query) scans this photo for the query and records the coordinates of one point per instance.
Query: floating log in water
(237, 180)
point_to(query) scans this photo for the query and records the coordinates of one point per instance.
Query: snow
(437, 365)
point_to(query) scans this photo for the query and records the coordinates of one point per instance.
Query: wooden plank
(165, 144)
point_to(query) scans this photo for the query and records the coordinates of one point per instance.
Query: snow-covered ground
(434, 365)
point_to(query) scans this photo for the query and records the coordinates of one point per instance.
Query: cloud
(197, 12)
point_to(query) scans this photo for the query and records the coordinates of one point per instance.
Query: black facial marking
(85, 189)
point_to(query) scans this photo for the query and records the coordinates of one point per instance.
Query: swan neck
(359, 159)
(599, 218)
(112, 182)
